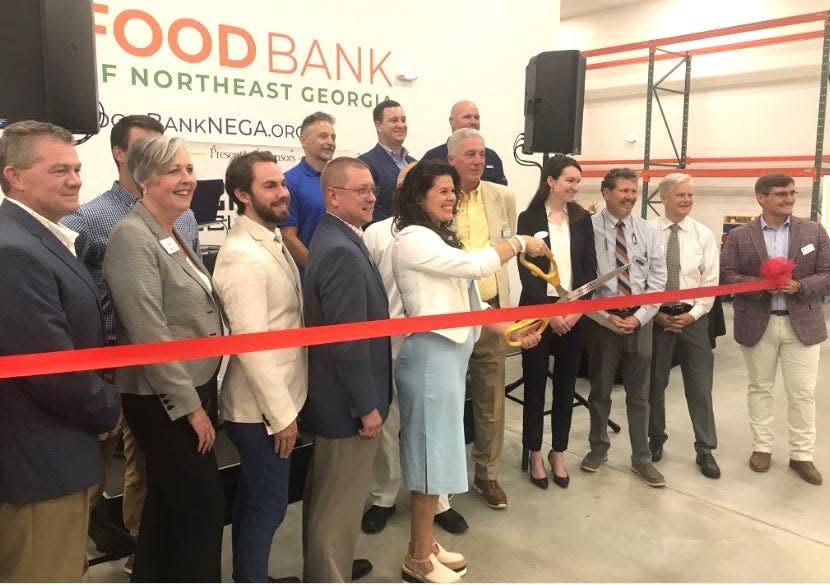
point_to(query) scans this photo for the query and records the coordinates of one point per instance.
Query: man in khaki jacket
(486, 215)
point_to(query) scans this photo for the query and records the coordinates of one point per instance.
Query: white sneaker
(451, 560)
(428, 570)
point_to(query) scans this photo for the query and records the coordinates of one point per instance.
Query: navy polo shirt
(307, 205)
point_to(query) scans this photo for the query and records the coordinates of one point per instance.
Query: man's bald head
(464, 114)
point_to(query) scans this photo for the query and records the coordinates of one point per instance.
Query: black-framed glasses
(361, 191)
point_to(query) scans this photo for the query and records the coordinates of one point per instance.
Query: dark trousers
(696, 364)
(180, 536)
(567, 352)
(606, 350)
(261, 500)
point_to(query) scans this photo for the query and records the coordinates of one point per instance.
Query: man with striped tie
(682, 328)
(621, 238)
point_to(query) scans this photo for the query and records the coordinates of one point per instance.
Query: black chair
(106, 525)
(579, 400)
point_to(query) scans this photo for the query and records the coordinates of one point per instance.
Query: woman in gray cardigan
(162, 291)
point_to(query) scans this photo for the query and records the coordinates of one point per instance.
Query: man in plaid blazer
(785, 324)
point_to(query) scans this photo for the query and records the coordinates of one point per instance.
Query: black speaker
(554, 96)
(47, 63)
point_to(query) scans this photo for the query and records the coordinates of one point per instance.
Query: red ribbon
(778, 270)
(100, 358)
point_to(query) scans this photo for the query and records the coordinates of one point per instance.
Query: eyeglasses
(361, 191)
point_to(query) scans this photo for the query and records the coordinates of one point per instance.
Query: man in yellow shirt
(486, 215)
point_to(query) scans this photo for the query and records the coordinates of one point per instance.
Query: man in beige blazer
(262, 392)
(486, 215)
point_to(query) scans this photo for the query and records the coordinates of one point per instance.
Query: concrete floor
(609, 526)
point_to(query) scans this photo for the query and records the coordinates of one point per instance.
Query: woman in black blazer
(570, 231)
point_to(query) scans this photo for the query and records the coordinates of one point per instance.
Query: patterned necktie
(623, 278)
(673, 259)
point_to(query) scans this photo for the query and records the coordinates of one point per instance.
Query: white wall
(752, 102)
(459, 50)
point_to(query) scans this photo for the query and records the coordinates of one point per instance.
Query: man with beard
(307, 207)
(262, 392)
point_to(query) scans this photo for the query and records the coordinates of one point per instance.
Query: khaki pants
(487, 389)
(336, 487)
(799, 365)
(45, 541)
(135, 483)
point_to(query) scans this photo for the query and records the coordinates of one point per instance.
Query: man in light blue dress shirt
(625, 338)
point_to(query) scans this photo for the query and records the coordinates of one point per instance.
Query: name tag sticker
(506, 232)
(170, 245)
(807, 249)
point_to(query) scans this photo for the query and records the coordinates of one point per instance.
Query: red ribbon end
(777, 270)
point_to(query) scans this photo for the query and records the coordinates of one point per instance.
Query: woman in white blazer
(162, 291)
(436, 276)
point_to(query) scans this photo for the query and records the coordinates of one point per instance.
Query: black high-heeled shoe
(541, 483)
(560, 480)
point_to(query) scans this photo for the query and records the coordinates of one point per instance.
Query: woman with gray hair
(162, 291)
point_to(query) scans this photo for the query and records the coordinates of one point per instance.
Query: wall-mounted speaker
(47, 63)
(554, 97)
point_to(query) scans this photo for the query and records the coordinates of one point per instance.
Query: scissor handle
(519, 325)
(552, 276)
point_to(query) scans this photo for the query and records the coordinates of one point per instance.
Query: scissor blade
(591, 286)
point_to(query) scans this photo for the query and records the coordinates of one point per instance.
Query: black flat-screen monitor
(205, 203)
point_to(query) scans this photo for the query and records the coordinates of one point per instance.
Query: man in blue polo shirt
(317, 138)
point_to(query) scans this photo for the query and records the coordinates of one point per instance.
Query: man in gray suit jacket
(49, 452)
(785, 324)
(350, 383)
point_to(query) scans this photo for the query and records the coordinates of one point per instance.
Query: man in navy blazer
(388, 157)
(350, 383)
(50, 425)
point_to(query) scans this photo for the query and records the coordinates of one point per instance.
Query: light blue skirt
(430, 376)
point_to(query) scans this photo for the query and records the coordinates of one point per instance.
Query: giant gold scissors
(552, 277)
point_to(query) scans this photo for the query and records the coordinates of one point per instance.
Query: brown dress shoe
(492, 492)
(806, 471)
(759, 461)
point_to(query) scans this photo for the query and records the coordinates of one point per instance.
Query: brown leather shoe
(759, 461)
(806, 471)
(492, 492)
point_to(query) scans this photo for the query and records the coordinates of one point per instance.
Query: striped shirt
(645, 252)
(699, 258)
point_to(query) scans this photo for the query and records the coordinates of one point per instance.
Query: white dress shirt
(699, 258)
(379, 238)
(560, 245)
(65, 235)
